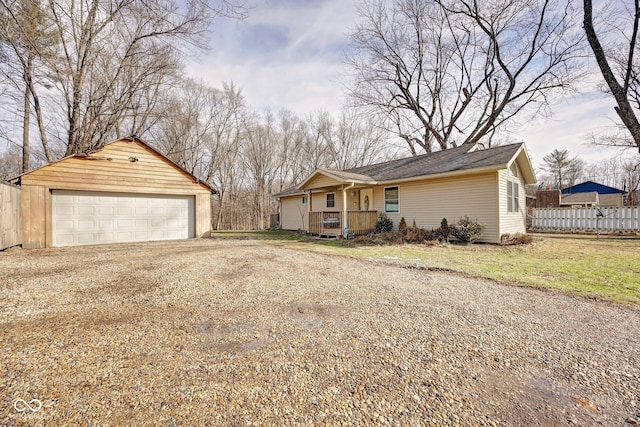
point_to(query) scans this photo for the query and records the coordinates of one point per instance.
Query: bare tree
(449, 72)
(616, 55)
(10, 163)
(315, 152)
(290, 147)
(25, 32)
(356, 141)
(261, 166)
(110, 50)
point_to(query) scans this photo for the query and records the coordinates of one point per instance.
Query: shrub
(402, 227)
(468, 231)
(442, 233)
(515, 239)
(415, 234)
(384, 224)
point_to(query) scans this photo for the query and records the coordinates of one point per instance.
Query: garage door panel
(124, 211)
(86, 218)
(125, 224)
(85, 225)
(106, 210)
(86, 210)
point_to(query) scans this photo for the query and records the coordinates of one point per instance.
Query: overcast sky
(289, 54)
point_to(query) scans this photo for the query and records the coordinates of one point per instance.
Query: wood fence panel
(613, 219)
(10, 216)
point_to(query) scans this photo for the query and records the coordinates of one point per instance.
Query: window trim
(397, 187)
(513, 196)
(326, 200)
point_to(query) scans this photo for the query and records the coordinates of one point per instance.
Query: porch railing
(358, 222)
(361, 222)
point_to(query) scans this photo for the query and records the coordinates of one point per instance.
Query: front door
(366, 199)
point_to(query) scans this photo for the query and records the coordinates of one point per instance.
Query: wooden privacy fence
(10, 216)
(615, 219)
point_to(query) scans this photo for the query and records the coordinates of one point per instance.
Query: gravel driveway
(242, 332)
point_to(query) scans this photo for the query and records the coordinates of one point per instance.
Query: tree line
(425, 74)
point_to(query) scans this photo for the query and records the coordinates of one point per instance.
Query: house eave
(465, 172)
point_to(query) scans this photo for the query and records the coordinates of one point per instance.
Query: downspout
(344, 208)
(309, 211)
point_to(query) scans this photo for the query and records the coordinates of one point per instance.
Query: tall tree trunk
(40, 120)
(619, 92)
(25, 129)
(26, 120)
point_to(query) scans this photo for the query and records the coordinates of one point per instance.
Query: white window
(391, 200)
(331, 200)
(513, 199)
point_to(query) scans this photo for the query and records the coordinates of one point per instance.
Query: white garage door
(91, 218)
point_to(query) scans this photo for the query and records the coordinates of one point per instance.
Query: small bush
(442, 233)
(402, 227)
(415, 234)
(468, 231)
(515, 239)
(384, 224)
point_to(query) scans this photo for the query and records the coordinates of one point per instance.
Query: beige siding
(10, 216)
(293, 213)
(320, 181)
(610, 199)
(428, 201)
(511, 222)
(320, 201)
(108, 170)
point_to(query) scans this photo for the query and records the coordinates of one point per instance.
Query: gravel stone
(243, 332)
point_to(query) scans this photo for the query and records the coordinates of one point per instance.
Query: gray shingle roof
(292, 191)
(451, 160)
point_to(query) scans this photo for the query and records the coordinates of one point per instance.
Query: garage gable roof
(94, 155)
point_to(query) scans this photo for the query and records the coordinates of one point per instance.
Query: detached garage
(124, 192)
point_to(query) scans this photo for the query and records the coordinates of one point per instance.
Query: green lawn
(607, 269)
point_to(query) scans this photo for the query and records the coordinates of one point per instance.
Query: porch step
(328, 236)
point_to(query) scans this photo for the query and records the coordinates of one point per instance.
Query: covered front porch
(332, 224)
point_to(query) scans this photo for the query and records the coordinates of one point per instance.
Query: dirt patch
(154, 333)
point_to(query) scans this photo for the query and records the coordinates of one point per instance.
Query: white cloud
(288, 54)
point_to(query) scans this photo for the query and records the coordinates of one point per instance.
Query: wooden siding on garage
(203, 215)
(10, 216)
(150, 174)
(109, 170)
(428, 201)
(34, 209)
